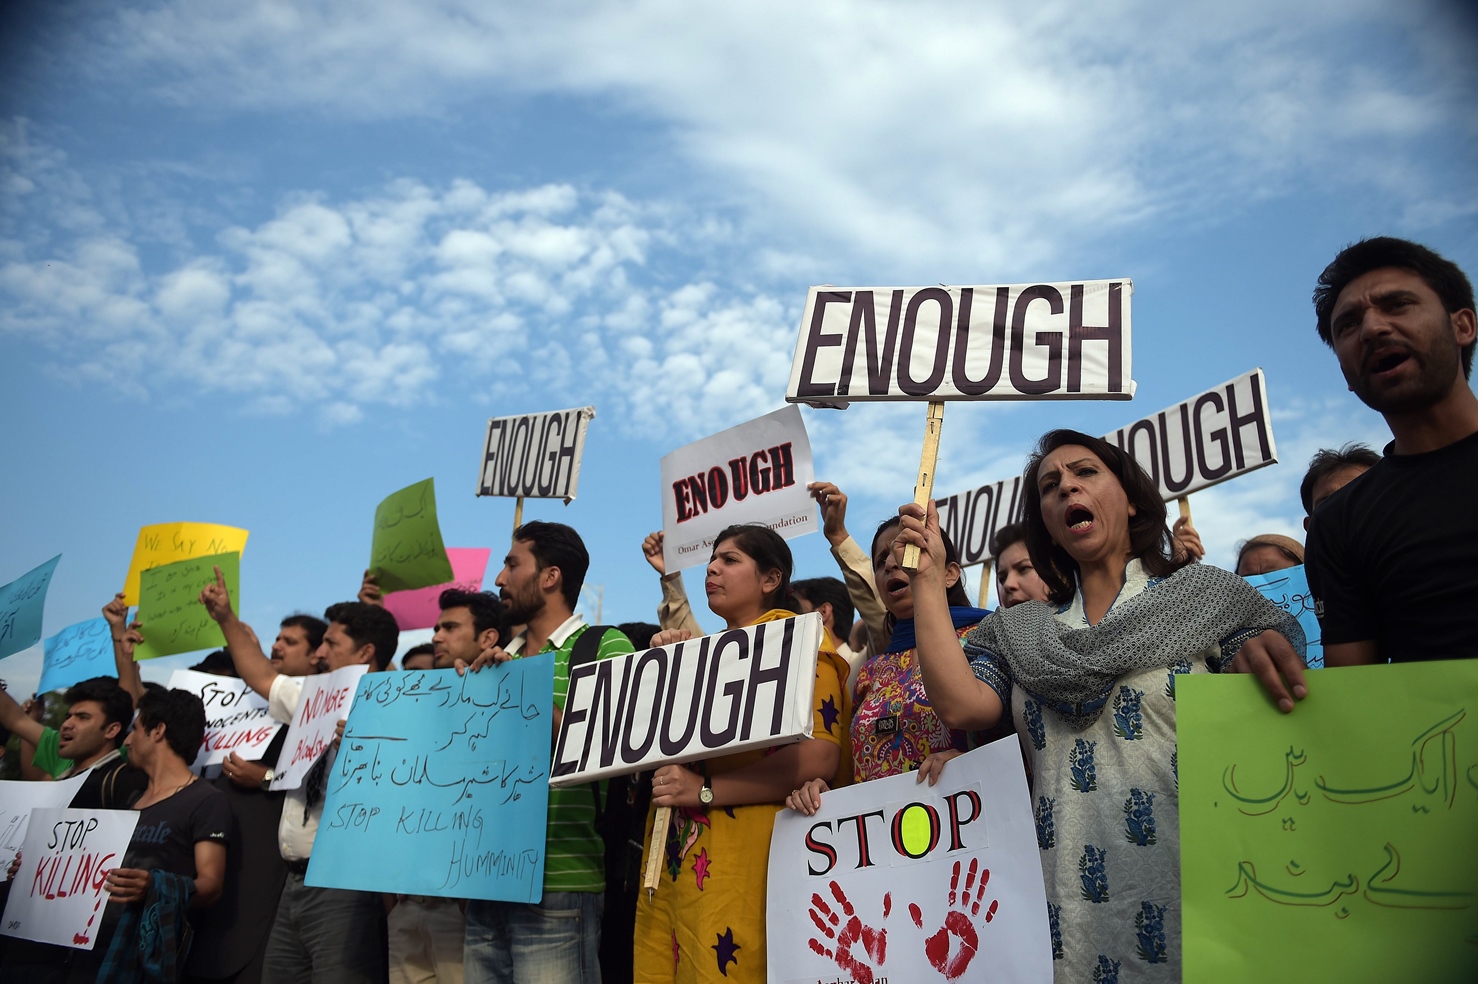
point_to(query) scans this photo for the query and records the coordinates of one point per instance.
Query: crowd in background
(1102, 604)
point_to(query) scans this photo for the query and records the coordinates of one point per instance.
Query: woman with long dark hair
(706, 922)
(1089, 677)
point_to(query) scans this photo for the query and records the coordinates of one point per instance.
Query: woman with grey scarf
(1089, 678)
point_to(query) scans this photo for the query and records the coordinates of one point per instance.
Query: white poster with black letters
(745, 688)
(534, 455)
(1053, 341)
(756, 472)
(17, 800)
(236, 718)
(896, 880)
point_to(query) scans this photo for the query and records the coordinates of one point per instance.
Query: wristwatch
(705, 795)
(267, 781)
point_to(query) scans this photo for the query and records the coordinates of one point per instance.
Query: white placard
(58, 894)
(1205, 440)
(745, 688)
(1057, 341)
(756, 472)
(534, 455)
(950, 872)
(971, 519)
(236, 718)
(17, 800)
(325, 702)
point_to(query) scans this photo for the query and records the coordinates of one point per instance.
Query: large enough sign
(741, 689)
(971, 519)
(534, 455)
(756, 472)
(1014, 342)
(1205, 440)
(894, 880)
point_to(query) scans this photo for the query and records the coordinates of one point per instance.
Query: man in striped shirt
(557, 940)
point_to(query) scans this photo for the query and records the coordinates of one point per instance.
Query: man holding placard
(321, 934)
(557, 939)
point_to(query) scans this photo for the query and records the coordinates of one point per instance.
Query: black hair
(424, 649)
(367, 625)
(557, 545)
(183, 717)
(1006, 537)
(117, 703)
(485, 606)
(1447, 281)
(955, 594)
(640, 633)
(769, 551)
(218, 663)
(1149, 540)
(313, 628)
(820, 590)
(1327, 461)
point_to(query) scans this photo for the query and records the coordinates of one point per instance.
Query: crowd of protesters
(1101, 605)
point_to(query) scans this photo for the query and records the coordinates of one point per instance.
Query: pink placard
(418, 609)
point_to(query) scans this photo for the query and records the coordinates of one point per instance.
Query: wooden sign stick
(517, 513)
(656, 849)
(923, 489)
(984, 583)
(1185, 507)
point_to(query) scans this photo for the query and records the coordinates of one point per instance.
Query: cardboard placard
(950, 873)
(534, 455)
(324, 703)
(22, 603)
(440, 785)
(1012, 342)
(58, 894)
(165, 543)
(17, 800)
(174, 621)
(406, 550)
(78, 652)
(420, 607)
(756, 472)
(236, 718)
(740, 689)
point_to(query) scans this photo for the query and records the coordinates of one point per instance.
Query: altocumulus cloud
(337, 306)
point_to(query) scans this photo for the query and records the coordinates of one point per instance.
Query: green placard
(174, 620)
(407, 551)
(1336, 843)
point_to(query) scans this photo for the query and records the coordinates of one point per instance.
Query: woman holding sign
(706, 921)
(1089, 678)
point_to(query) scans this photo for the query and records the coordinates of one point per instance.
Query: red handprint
(957, 922)
(874, 941)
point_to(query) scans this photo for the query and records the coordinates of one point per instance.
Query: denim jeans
(556, 941)
(325, 936)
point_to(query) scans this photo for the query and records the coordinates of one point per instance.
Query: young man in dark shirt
(1393, 558)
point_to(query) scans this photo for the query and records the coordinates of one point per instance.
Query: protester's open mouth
(1079, 519)
(1383, 362)
(896, 584)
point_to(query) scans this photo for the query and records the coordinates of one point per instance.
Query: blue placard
(1289, 590)
(21, 604)
(78, 652)
(441, 785)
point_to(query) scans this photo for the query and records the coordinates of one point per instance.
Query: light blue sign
(78, 652)
(441, 785)
(21, 603)
(1289, 590)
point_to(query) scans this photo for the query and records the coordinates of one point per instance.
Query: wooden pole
(517, 513)
(984, 583)
(656, 849)
(1185, 507)
(923, 489)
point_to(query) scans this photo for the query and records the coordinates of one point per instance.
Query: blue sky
(264, 263)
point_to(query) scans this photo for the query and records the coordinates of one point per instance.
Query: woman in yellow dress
(706, 921)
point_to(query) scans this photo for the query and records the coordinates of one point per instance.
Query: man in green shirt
(556, 941)
(98, 715)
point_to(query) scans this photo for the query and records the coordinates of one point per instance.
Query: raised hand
(651, 549)
(369, 590)
(116, 614)
(841, 938)
(943, 954)
(833, 503)
(216, 599)
(1185, 541)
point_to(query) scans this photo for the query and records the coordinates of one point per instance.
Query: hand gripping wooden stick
(656, 849)
(923, 489)
(1185, 507)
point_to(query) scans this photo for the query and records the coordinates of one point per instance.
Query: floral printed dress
(894, 728)
(1106, 799)
(706, 921)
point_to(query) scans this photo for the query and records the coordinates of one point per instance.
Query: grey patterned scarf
(1072, 670)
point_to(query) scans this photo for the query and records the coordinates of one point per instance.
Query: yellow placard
(165, 543)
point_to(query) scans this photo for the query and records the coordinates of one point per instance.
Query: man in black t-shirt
(1393, 558)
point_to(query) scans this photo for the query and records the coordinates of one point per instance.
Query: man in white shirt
(321, 934)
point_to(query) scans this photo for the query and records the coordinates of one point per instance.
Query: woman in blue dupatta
(1089, 679)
